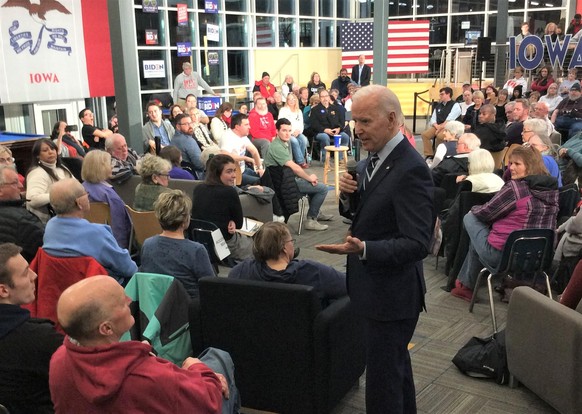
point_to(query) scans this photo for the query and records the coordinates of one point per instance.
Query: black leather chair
(290, 355)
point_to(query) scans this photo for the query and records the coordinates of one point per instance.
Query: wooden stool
(336, 167)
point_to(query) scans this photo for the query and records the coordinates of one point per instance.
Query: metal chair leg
(476, 289)
(302, 203)
(548, 286)
(491, 303)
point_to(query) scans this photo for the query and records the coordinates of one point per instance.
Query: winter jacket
(21, 227)
(282, 180)
(492, 135)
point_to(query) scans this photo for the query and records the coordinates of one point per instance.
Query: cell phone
(70, 128)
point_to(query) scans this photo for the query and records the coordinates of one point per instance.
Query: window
(152, 79)
(307, 7)
(286, 6)
(265, 6)
(205, 19)
(236, 30)
(326, 8)
(238, 63)
(265, 31)
(326, 33)
(212, 69)
(306, 28)
(149, 21)
(287, 29)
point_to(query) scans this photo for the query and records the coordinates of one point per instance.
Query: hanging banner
(55, 53)
(184, 49)
(212, 33)
(182, 14)
(211, 6)
(151, 37)
(149, 6)
(154, 69)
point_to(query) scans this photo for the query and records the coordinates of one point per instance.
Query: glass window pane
(366, 9)
(326, 33)
(212, 72)
(476, 22)
(460, 6)
(151, 83)
(287, 31)
(238, 73)
(172, 3)
(539, 19)
(286, 6)
(265, 31)
(149, 21)
(265, 6)
(306, 7)
(516, 4)
(236, 30)
(237, 5)
(306, 28)
(207, 18)
(514, 21)
(400, 8)
(325, 8)
(434, 61)
(180, 33)
(438, 30)
(343, 8)
(430, 7)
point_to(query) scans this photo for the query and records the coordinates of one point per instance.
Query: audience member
(472, 115)
(524, 33)
(540, 111)
(544, 146)
(273, 250)
(175, 110)
(244, 109)
(491, 95)
(7, 159)
(262, 126)
(265, 87)
(528, 200)
(315, 84)
(502, 101)
(573, 293)
(341, 84)
(276, 106)
(45, 170)
(327, 120)
(70, 235)
(520, 114)
(156, 127)
(17, 224)
(192, 106)
(288, 87)
(123, 159)
(217, 201)
(93, 136)
(551, 99)
(235, 143)
(570, 160)
(170, 253)
(279, 155)
(174, 156)
(155, 176)
(113, 124)
(26, 344)
(568, 113)
(298, 141)
(466, 87)
(509, 107)
(517, 80)
(185, 142)
(517, 93)
(95, 313)
(567, 83)
(543, 80)
(96, 170)
(575, 24)
(481, 175)
(303, 98)
(534, 97)
(451, 133)
(61, 136)
(361, 73)
(466, 102)
(457, 164)
(492, 134)
(221, 121)
(445, 110)
(187, 83)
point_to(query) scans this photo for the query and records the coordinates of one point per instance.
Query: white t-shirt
(236, 145)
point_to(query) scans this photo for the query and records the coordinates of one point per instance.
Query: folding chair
(527, 252)
(201, 231)
(98, 213)
(144, 224)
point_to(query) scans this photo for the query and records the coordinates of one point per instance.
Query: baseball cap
(576, 87)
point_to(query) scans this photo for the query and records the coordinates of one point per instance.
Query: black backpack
(484, 358)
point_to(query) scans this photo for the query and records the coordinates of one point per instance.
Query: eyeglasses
(291, 241)
(163, 175)
(186, 123)
(525, 132)
(9, 160)
(14, 183)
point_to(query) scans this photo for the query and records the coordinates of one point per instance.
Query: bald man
(26, 344)
(123, 158)
(95, 373)
(70, 235)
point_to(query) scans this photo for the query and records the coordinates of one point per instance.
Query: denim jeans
(249, 177)
(325, 140)
(299, 146)
(573, 125)
(316, 195)
(481, 254)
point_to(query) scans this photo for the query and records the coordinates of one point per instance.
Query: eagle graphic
(38, 9)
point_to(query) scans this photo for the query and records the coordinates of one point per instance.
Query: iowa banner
(408, 43)
(54, 50)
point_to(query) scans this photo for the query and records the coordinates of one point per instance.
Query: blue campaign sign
(209, 104)
(211, 6)
(184, 49)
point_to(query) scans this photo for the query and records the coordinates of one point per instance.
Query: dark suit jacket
(366, 75)
(394, 217)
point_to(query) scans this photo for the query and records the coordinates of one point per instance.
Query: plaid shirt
(520, 204)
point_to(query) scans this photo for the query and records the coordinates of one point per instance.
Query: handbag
(484, 358)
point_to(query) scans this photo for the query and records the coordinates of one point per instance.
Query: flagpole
(380, 48)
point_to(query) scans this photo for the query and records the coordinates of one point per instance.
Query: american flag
(407, 45)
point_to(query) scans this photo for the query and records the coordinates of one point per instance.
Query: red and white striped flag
(408, 43)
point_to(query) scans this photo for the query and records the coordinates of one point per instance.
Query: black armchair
(290, 355)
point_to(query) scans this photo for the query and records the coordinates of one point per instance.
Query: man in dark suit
(388, 239)
(361, 73)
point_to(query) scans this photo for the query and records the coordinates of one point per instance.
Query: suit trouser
(389, 382)
(427, 137)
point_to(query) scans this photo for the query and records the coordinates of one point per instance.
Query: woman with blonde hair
(95, 172)
(472, 115)
(298, 141)
(155, 177)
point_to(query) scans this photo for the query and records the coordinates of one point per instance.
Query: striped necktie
(370, 168)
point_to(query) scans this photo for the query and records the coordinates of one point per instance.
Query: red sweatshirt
(262, 126)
